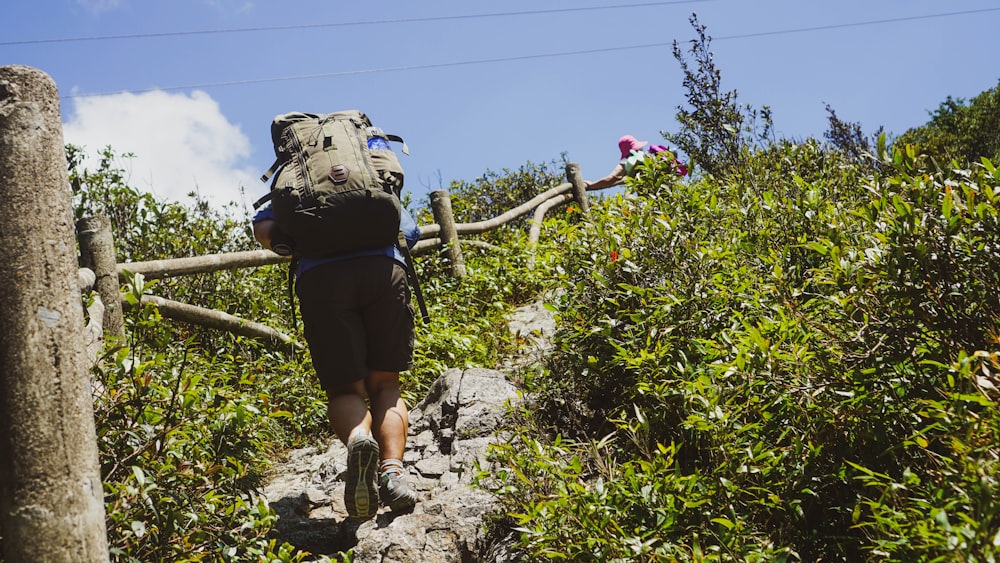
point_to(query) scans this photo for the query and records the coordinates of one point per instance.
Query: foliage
(794, 358)
(149, 229)
(469, 315)
(187, 417)
(716, 131)
(848, 137)
(800, 369)
(146, 228)
(960, 131)
(183, 441)
(494, 193)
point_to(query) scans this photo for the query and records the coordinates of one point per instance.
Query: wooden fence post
(579, 187)
(97, 252)
(441, 207)
(51, 498)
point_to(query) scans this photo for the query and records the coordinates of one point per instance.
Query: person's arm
(409, 227)
(617, 176)
(263, 231)
(264, 226)
(269, 234)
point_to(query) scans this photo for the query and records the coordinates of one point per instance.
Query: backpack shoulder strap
(264, 199)
(411, 272)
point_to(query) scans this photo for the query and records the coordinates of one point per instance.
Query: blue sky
(190, 86)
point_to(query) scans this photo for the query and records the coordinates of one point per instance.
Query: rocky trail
(450, 431)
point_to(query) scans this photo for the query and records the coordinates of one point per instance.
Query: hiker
(359, 326)
(350, 238)
(631, 155)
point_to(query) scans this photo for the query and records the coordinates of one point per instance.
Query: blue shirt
(406, 224)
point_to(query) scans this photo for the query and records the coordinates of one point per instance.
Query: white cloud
(99, 6)
(231, 7)
(182, 143)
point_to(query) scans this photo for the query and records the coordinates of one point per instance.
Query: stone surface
(450, 431)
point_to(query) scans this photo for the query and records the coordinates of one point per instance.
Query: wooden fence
(101, 272)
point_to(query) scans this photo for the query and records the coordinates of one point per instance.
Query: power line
(377, 70)
(344, 24)
(858, 24)
(530, 57)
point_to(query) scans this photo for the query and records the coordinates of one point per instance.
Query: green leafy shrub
(797, 368)
(716, 131)
(184, 438)
(188, 417)
(960, 130)
(145, 229)
(469, 315)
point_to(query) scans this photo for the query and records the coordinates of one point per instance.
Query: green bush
(495, 193)
(960, 130)
(796, 360)
(188, 418)
(184, 441)
(469, 315)
(800, 368)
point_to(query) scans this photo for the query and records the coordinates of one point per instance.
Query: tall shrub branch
(715, 131)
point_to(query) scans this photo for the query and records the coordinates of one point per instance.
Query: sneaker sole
(360, 494)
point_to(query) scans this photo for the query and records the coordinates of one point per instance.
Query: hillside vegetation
(792, 357)
(802, 367)
(796, 361)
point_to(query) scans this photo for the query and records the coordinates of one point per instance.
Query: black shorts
(357, 318)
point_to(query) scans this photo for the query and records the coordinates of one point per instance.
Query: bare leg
(351, 422)
(390, 425)
(389, 420)
(348, 410)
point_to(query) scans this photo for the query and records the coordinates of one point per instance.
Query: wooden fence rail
(444, 234)
(429, 240)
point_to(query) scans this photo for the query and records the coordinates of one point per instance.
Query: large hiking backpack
(331, 193)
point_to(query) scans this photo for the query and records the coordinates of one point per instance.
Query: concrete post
(51, 499)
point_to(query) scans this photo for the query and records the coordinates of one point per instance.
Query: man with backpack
(352, 288)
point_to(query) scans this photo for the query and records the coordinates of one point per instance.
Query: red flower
(614, 256)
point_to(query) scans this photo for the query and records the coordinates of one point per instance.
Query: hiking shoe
(360, 494)
(396, 492)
